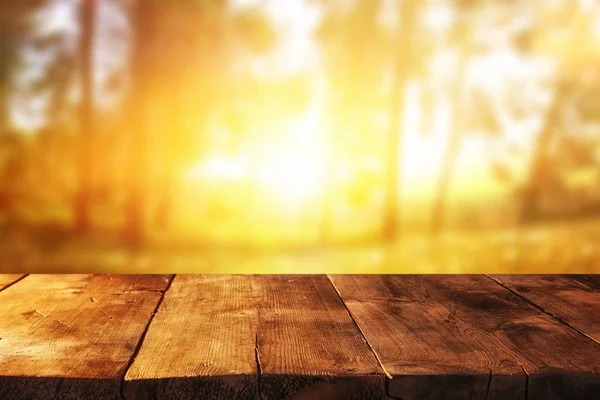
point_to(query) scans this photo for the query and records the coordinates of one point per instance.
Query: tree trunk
(539, 161)
(445, 179)
(444, 183)
(4, 104)
(87, 124)
(329, 186)
(138, 110)
(328, 191)
(391, 227)
(177, 128)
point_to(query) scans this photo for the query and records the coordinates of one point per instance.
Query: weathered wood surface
(201, 343)
(572, 299)
(8, 279)
(72, 336)
(438, 336)
(428, 343)
(308, 345)
(245, 337)
(592, 281)
(299, 337)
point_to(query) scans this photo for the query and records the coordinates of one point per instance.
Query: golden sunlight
(288, 165)
(297, 122)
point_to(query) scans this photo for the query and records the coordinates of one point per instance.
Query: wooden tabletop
(299, 337)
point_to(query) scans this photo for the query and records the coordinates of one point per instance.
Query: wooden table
(301, 337)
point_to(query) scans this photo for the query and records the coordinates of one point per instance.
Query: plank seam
(257, 355)
(388, 390)
(542, 309)
(143, 337)
(387, 374)
(526, 378)
(14, 283)
(58, 388)
(489, 384)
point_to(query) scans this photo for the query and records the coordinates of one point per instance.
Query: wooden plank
(72, 336)
(308, 345)
(437, 335)
(201, 343)
(591, 281)
(569, 299)
(245, 337)
(430, 349)
(8, 279)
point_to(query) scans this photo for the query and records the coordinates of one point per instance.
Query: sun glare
(292, 178)
(289, 161)
(289, 165)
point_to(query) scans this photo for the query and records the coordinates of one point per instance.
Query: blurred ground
(569, 247)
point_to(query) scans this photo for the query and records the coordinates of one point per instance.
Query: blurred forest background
(300, 135)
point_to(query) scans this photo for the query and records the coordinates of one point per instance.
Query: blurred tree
(75, 96)
(402, 74)
(462, 41)
(571, 42)
(144, 16)
(184, 51)
(88, 17)
(567, 140)
(12, 168)
(540, 170)
(16, 27)
(473, 110)
(355, 47)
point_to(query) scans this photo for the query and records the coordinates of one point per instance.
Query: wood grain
(591, 281)
(439, 335)
(245, 337)
(72, 336)
(570, 299)
(430, 348)
(292, 337)
(8, 279)
(309, 347)
(201, 344)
